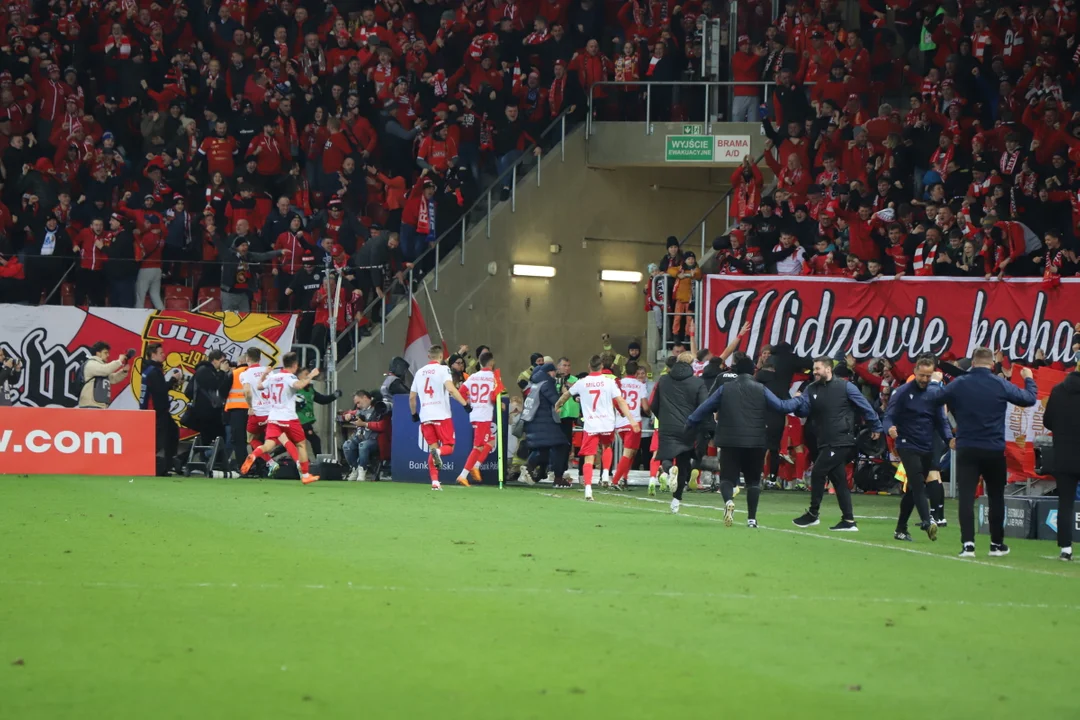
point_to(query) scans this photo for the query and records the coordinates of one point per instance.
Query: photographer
(372, 422)
(154, 395)
(206, 391)
(97, 375)
(10, 369)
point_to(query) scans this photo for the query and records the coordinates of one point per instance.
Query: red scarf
(980, 44)
(1009, 162)
(940, 160)
(557, 95)
(924, 259)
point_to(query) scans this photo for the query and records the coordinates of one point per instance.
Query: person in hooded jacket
(1062, 417)
(396, 381)
(544, 432)
(206, 392)
(675, 396)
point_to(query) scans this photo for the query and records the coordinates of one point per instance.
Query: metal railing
(479, 211)
(711, 90)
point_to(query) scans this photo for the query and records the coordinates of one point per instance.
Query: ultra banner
(53, 342)
(892, 318)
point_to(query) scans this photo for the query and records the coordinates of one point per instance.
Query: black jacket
(979, 401)
(154, 393)
(206, 393)
(831, 408)
(675, 397)
(232, 263)
(1062, 417)
(740, 404)
(545, 429)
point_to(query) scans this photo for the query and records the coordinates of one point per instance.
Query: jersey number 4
(428, 390)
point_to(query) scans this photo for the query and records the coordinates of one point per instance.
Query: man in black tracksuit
(741, 405)
(1062, 417)
(154, 395)
(910, 420)
(978, 401)
(830, 403)
(675, 396)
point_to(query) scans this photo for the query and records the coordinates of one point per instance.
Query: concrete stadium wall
(603, 219)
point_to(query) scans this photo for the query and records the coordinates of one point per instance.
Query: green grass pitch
(195, 598)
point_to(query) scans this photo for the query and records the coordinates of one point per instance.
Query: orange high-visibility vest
(236, 399)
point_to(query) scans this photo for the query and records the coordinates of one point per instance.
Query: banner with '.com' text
(53, 342)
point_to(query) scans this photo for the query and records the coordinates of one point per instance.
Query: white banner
(52, 342)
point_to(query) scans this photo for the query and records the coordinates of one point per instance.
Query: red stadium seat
(177, 297)
(212, 294)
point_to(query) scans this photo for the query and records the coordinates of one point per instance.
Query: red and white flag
(417, 340)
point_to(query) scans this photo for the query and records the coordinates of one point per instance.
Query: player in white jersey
(637, 399)
(599, 395)
(481, 390)
(258, 404)
(429, 402)
(282, 425)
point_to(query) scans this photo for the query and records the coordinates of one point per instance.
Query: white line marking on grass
(834, 538)
(718, 507)
(351, 587)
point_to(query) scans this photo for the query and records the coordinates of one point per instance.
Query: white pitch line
(913, 551)
(350, 587)
(716, 507)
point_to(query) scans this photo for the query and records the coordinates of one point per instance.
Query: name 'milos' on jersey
(597, 394)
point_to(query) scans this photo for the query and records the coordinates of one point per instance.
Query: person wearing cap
(437, 152)
(535, 361)
(418, 227)
(238, 282)
(301, 290)
(746, 68)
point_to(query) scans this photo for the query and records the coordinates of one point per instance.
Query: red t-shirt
(219, 154)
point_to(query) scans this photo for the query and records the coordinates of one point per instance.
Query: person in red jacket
(418, 219)
(271, 155)
(860, 231)
(297, 245)
(149, 234)
(746, 67)
(91, 244)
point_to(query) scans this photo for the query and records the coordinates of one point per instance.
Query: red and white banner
(34, 441)
(53, 342)
(1023, 425)
(894, 319)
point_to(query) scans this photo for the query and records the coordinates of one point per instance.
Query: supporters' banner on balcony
(1024, 425)
(35, 441)
(409, 454)
(53, 342)
(894, 319)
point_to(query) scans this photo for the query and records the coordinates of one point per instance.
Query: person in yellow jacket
(685, 275)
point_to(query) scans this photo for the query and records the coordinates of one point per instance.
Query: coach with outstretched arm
(830, 402)
(978, 401)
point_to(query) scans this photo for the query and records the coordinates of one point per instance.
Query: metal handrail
(707, 84)
(484, 198)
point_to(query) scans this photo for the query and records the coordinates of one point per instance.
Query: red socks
(623, 470)
(305, 467)
(255, 444)
(710, 451)
(654, 468)
(433, 472)
(586, 474)
(293, 453)
(445, 450)
(472, 460)
(606, 458)
(259, 452)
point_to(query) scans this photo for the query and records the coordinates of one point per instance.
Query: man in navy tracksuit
(911, 419)
(978, 402)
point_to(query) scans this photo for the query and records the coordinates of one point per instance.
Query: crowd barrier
(1027, 518)
(409, 451)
